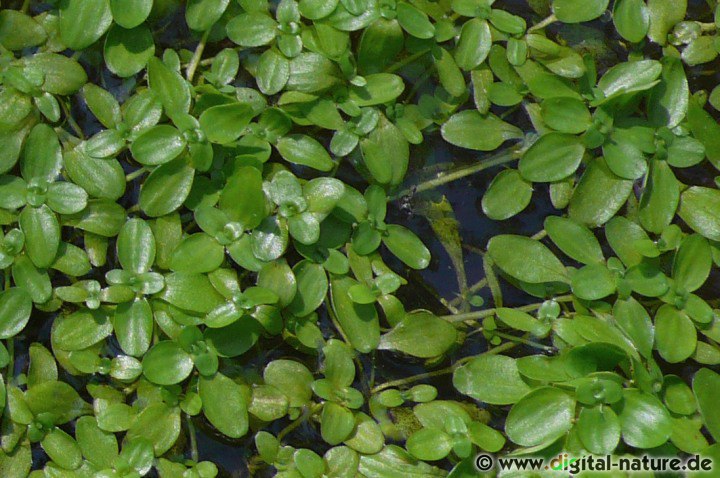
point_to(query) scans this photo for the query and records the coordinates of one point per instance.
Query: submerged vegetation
(205, 233)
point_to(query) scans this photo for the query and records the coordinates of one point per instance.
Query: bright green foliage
(205, 229)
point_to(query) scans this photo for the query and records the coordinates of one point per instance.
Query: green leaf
(669, 99)
(567, 115)
(634, 320)
(413, 21)
(166, 188)
(304, 150)
(469, 129)
(631, 19)
(56, 399)
(170, 88)
(81, 329)
(82, 22)
(664, 15)
(474, 44)
(429, 444)
(660, 198)
(159, 424)
(198, 253)
(100, 178)
(130, 13)
(312, 286)
(62, 449)
(386, 153)
(574, 240)
(700, 209)
(577, 11)
(273, 72)
(507, 195)
(540, 417)
(42, 156)
(492, 379)
(336, 423)
(98, 446)
(406, 246)
(675, 335)
(158, 145)
(223, 398)
(598, 195)
(395, 461)
(526, 259)
(15, 310)
(192, 292)
(645, 421)
(136, 246)
(420, 334)
(630, 77)
(133, 324)
(593, 282)
(18, 30)
(359, 322)
(63, 75)
(243, 197)
(234, 339)
(35, 282)
(201, 15)
(599, 429)
(128, 51)
(293, 378)
(379, 44)
(706, 130)
(379, 88)
(42, 234)
(553, 157)
(692, 264)
(269, 239)
(225, 123)
(251, 29)
(16, 464)
(706, 386)
(166, 363)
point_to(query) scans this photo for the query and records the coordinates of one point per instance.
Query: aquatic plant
(202, 228)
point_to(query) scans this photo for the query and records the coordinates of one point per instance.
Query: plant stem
(192, 66)
(194, 455)
(481, 314)
(443, 371)
(406, 61)
(708, 27)
(545, 22)
(470, 290)
(25, 6)
(307, 413)
(506, 156)
(523, 340)
(135, 174)
(71, 121)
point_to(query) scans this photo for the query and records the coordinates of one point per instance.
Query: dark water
(425, 288)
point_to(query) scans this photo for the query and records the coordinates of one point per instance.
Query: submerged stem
(135, 174)
(307, 413)
(545, 22)
(506, 156)
(194, 454)
(481, 314)
(443, 371)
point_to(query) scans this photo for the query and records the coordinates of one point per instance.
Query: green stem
(192, 66)
(71, 121)
(470, 290)
(547, 21)
(481, 314)
(523, 340)
(406, 61)
(506, 156)
(444, 371)
(194, 455)
(707, 27)
(307, 413)
(25, 6)
(135, 174)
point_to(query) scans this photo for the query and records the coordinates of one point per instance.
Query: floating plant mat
(356, 238)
